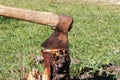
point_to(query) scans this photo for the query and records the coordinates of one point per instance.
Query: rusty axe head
(59, 39)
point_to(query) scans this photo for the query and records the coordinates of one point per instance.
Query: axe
(56, 44)
(60, 23)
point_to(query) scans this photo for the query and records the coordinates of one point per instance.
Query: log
(33, 75)
(57, 64)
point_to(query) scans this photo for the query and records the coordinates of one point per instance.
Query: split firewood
(34, 75)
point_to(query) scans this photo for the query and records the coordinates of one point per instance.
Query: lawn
(94, 40)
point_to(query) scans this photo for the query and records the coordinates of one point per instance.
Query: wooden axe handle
(46, 18)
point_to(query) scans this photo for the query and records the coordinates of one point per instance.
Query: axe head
(59, 38)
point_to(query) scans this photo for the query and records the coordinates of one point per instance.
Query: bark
(56, 65)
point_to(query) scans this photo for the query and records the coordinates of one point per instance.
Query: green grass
(94, 39)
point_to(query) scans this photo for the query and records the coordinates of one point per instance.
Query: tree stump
(57, 64)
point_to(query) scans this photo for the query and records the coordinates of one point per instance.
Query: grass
(93, 41)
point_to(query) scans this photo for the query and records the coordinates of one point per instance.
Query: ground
(94, 40)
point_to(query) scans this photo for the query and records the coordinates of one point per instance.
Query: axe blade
(59, 38)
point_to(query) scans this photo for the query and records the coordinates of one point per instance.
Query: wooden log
(46, 18)
(57, 64)
(33, 75)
